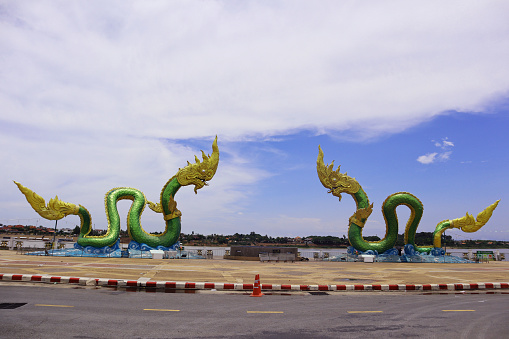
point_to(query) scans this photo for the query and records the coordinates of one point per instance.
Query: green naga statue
(338, 183)
(196, 174)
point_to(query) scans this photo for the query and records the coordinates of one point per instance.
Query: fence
(25, 246)
(277, 257)
(321, 254)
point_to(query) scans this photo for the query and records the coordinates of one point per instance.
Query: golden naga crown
(199, 173)
(335, 181)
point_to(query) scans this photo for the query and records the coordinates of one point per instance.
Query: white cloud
(427, 159)
(444, 155)
(91, 90)
(258, 68)
(447, 143)
(81, 170)
(444, 144)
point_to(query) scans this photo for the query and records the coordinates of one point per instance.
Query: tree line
(421, 239)
(253, 238)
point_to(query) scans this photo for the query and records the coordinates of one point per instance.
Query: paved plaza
(235, 271)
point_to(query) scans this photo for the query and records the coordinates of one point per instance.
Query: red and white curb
(245, 287)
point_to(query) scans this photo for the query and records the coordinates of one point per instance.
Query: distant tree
(372, 238)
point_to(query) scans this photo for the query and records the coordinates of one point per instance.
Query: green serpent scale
(338, 183)
(134, 227)
(196, 174)
(391, 221)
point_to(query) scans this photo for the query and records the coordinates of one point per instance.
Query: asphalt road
(81, 312)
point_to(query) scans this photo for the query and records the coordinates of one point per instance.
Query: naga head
(335, 181)
(200, 172)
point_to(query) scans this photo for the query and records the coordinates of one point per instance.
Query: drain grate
(10, 306)
(318, 293)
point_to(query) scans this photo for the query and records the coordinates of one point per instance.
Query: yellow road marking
(458, 310)
(53, 305)
(160, 310)
(265, 312)
(365, 311)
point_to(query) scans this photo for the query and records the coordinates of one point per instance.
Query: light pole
(445, 246)
(54, 236)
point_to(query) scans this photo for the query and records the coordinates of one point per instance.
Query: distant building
(253, 252)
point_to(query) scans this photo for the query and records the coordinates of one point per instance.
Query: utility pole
(445, 246)
(54, 236)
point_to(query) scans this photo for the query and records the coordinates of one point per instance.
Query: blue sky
(402, 96)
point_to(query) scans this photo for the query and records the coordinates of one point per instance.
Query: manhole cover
(10, 306)
(318, 293)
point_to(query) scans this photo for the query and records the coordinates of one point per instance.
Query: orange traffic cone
(257, 290)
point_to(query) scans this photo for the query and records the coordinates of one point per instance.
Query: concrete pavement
(234, 271)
